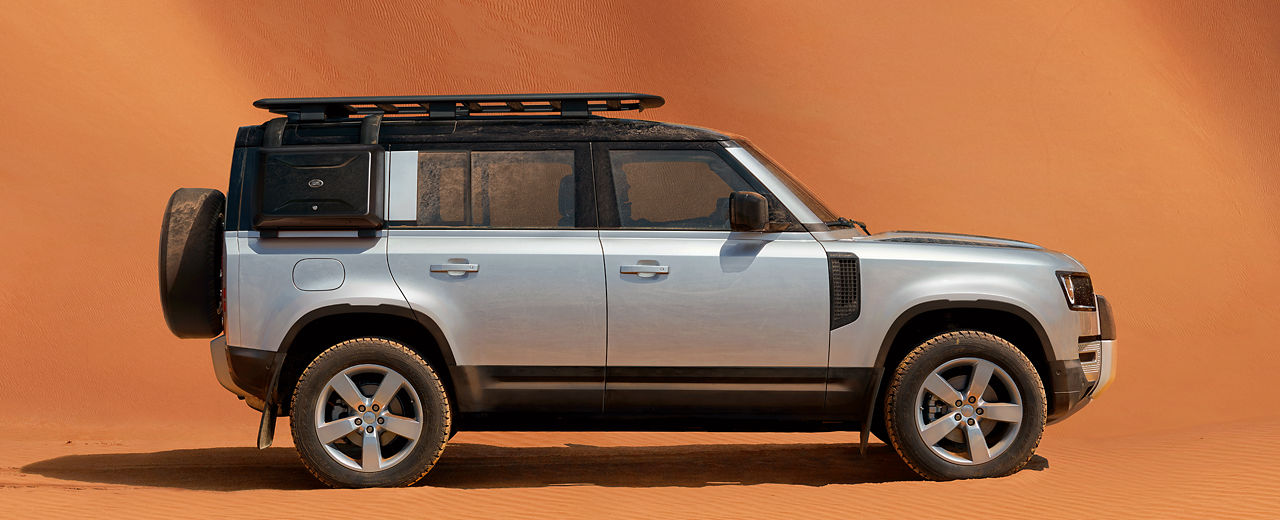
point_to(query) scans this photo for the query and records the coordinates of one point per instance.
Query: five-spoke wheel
(369, 412)
(368, 418)
(965, 404)
(966, 416)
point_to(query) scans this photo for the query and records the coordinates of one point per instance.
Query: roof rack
(452, 107)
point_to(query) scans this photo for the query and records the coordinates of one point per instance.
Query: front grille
(843, 268)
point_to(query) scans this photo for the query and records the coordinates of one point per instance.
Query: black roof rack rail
(452, 107)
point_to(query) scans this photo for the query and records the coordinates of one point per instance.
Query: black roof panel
(407, 131)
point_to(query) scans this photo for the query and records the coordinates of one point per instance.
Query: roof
(408, 120)
(407, 131)
(575, 104)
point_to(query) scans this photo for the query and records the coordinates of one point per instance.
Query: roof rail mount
(453, 107)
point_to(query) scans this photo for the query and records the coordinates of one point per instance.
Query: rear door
(704, 320)
(496, 244)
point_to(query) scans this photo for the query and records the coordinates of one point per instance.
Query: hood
(955, 239)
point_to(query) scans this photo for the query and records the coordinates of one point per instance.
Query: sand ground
(1206, 471)
(1140, 137)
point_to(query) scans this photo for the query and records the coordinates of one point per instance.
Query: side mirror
(748, 211)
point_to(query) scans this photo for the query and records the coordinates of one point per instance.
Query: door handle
(645, 271)
(455, 269)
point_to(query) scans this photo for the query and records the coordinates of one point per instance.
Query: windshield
(806, 195)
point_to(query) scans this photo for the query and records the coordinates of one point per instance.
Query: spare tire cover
(191, 262)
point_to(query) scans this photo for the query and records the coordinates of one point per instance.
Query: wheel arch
(1006, 320)
(326, 326)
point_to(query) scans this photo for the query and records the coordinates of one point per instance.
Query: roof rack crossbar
(450, 107)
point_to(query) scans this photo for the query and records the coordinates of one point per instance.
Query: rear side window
(500, 189)
(673, 189)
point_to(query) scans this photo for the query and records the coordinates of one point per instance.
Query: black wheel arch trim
(938, 305)
(272, 397)
(1063, 389)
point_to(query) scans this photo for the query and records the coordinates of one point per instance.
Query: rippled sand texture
(1139, 137)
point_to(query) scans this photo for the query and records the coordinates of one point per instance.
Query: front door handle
(645, 271)
(455, 269)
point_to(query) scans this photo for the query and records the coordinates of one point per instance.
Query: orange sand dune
(1223, 471)
(1141, 138)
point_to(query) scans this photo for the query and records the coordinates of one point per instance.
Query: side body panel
(523, 310)
(526, 327)
(271, 270)
(737, 324)
(897, 277)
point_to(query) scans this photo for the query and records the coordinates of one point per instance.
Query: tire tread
(949, 339)
(386, 343)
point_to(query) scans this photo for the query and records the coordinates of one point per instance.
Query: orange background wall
(1141, 138)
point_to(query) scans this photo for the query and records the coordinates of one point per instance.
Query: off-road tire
(900, 405)
(191, 262)
(391, 354)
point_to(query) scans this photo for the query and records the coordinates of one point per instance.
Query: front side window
(499, 189)
(673, 189)
(800, 189)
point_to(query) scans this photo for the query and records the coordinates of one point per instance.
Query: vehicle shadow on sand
(479, 466)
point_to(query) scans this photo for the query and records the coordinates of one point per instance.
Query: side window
(673, 189)
(500, 189)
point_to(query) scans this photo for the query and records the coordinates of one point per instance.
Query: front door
(496, 244)
(703, 320)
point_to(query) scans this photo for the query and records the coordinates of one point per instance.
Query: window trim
(607, 199)
(584, 211)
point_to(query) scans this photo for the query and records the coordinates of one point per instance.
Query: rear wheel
(965, 404)
(369, 412)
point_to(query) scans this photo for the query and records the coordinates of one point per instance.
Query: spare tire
(191, 262)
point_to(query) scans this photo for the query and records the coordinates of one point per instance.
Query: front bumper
(1102, 371)
(1076, 382)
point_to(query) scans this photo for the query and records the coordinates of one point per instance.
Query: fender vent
(844, 288)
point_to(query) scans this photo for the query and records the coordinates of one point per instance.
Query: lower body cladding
(617, 398)
(245, 372)
(1077, 382)
(669, 398)
(661, 398)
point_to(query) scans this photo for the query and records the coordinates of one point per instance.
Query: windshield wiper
(844, 222)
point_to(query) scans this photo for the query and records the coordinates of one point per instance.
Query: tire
(191, 262)
(1007, 414)
(319, 408)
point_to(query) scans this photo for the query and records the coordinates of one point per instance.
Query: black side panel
(319, 187)
(516, 389)
(850, 391)
(845, 288)
(526, 422)
(715, 391)
(1069, 387)
(251, 368)
(235, 186)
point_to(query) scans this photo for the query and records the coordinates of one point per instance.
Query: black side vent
(844, 288)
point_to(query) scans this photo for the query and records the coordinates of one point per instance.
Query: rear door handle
(455, 269)
(645, 271)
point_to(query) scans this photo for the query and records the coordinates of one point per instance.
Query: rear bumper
(245, 372)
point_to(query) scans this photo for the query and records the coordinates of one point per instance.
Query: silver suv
(387, 271)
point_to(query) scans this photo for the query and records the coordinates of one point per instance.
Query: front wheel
(369, 412)
(965, 404)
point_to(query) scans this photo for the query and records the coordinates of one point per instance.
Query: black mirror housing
(748, 211)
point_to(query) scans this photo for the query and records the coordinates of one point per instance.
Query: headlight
(1079, 291)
